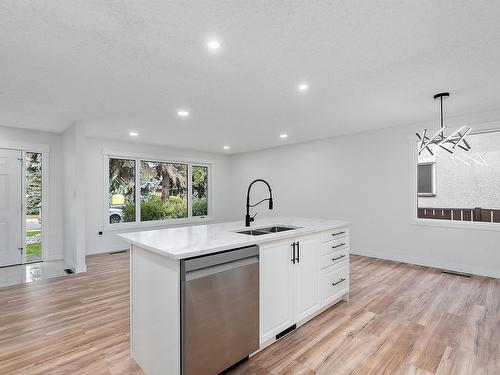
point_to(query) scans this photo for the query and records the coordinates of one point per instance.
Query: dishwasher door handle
(218, 259)
(212, 270)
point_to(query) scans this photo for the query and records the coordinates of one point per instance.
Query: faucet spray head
(270, 203)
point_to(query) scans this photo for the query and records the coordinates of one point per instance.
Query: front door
(10, 208)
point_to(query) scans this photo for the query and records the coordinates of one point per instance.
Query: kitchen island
(302, 269)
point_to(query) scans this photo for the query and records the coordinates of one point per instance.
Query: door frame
(45, 151)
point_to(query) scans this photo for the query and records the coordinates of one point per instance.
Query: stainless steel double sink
(267, 230)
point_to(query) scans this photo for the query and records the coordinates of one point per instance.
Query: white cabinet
(299, 277)
(289, 289)
(334, 283)
(276, 289)
(306, 278)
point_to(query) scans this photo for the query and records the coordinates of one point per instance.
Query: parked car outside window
(115, 214)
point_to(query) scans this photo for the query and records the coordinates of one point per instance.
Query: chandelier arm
(444, 148)
(464, 140)
(422, 139)
(424, 135)
(451, 135)
(459, 139)
(434, 137)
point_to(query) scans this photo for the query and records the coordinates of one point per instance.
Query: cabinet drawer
(334, 283)
(334, 234)
(330, 259)
(334, 245)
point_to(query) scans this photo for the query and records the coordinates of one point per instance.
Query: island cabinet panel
(306, 277)
(155, 312)
(335, 283)
(299, 278)
(276, 289)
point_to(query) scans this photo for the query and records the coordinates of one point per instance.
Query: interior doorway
(22, 221)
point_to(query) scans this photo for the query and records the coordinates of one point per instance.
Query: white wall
(365, 178)
(69, 209)
(11, 136)
(74, 198)
(94, 186)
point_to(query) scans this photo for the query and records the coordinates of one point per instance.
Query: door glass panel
(33, 206)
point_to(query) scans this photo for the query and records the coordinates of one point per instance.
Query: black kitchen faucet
(248, 218)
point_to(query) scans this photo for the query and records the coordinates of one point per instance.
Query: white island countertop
(186, 242)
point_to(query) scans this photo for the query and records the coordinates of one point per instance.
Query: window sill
(457, 224)
(157, 224)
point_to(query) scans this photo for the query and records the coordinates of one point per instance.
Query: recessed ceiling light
(213, 44)
(303, 87)
(226, 147)
(133, 134)
(283, 135)
(183, 113)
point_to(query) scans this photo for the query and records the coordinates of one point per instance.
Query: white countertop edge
(320, 226)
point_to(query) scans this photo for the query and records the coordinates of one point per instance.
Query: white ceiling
(130, 65)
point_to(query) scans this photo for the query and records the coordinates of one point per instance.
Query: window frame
(190, 219)
(413, 188)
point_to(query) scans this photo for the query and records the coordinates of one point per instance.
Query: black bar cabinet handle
(298, 252)
(293, 253)
(337, 234)
(338, 282)
(340, 257)
(334, 247)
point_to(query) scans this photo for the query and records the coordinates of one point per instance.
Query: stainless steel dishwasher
(220, 310)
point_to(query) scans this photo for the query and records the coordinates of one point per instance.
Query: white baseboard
(52, 259)
(76, 269)
(81, 268)
(452, 266)
(107, 250)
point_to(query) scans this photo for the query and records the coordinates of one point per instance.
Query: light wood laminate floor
(401, 319)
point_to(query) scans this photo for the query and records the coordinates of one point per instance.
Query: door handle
(340, 257)
(293, 253)
(298, 252)
(338, 282)
(334, 247)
